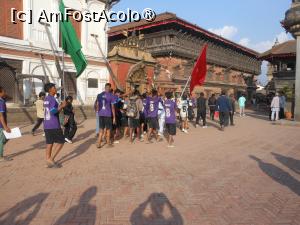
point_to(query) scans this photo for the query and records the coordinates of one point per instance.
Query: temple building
(282, 61)
(175, 44)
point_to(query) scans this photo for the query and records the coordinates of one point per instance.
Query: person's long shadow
(29, 206)
(83, 212)
(157, 209)
(291, 163)
(84, 135)
(79, 150)
(37, 146)
(278, 175)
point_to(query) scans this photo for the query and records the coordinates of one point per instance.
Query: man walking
(3, 124)
(275, 108)
(224, 107)
(52, 128)
(232, 112)
(39, 104)
(242, 104)
(107, 116)
(212, 102)
(201, 110)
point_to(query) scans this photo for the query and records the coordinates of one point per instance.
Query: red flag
(199, 71)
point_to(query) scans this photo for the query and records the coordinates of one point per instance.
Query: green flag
(70, 43)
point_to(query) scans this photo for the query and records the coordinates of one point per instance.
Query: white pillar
(297, 82)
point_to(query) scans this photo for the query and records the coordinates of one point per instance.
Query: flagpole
(187, 82)
(63, 73)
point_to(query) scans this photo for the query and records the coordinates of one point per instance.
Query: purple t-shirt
(170, 109)
(105, 100)
(51, 119)
(3, 110)
(152, 106)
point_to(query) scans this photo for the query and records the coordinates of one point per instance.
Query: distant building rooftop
(286, 49)
(171, 18)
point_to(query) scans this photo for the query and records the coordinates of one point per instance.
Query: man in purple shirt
(107, 116)
(53, 131)
(3, 124)
(170, 109)
(152, 115)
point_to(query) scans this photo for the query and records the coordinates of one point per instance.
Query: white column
(297, 83)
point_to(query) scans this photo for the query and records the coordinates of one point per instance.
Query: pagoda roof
(286, 49)
(171, 18)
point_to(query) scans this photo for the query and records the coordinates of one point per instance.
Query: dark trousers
(70, 128)
(38, 123)
(202, 115)
(212, 114)
(231, 114)
(224, 118)
(281, 113)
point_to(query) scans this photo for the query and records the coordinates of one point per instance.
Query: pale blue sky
(253, 23)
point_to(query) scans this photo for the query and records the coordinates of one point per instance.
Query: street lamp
(292, 24)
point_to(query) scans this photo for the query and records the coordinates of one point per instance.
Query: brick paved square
(247, 175)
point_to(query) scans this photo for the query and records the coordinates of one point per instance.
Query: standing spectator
(118, 106)
(52, 128)
(183, 106)
(232, 112)
(170, 109)
(201, 110)
(161, 119)
(275, 108)
(107, 115)
(97, 118)
(282, 102)
(39, 104)
(124, 118)
(70, 123)
(133, 112)
(3, 124)
(152, 115)
(143, 116)
(242, 104)
(224, 108)
(212, 102)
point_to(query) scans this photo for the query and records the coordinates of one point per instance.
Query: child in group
(143, 116)
(183, 106)
(170, 107)
(69, 121)
(152, 115)
(39, 104)
(52, 128)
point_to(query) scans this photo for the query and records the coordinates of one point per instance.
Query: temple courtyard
(247, 175)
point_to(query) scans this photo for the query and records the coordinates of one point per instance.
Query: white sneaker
(185, 131)
(171, 146)
(116, 142)
(204, 127)
(197, 125)
(68, 141)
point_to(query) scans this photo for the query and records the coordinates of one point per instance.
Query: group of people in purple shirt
(138, 116)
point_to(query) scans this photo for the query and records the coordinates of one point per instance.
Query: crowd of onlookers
(131, 116)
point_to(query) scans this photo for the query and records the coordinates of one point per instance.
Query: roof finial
(276, 42)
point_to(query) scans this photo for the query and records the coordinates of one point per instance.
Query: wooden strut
(113, 76)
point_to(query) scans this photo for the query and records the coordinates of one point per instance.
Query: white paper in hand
(15, 133)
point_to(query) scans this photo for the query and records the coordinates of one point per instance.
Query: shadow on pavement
(278, 175)
(37, 146)
(82, 213)
(23, 212)
(291, 163)
(157, 209)
(258, 115)
(80, 149)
